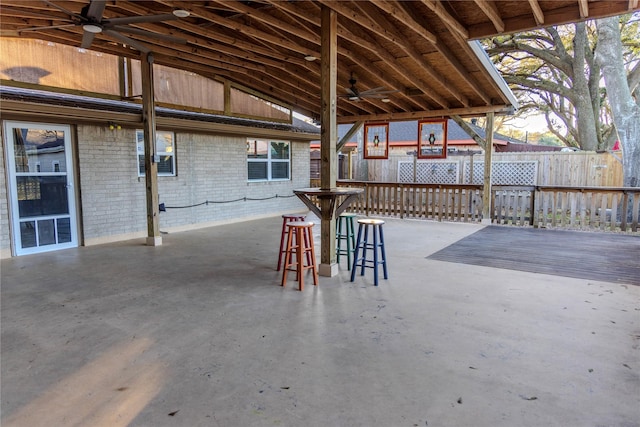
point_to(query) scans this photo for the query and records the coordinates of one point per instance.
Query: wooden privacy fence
(578, 208)
(580, 168)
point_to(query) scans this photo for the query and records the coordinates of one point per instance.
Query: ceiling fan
(353, 94)
(92, 23)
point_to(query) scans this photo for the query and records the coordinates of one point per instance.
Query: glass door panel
(42, 198)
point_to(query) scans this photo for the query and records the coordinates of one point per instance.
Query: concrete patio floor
(199, 332)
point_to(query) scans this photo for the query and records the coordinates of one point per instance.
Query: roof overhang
(418, 49)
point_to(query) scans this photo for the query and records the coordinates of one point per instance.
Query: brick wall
(209, 168)
(214, 168)
(5, 242)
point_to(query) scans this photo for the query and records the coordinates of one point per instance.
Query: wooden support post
(488, 149)
(328, 137)
(150, 164)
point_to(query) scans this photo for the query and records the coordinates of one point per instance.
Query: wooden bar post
(488, 149)
(150, 165)
(328, 137)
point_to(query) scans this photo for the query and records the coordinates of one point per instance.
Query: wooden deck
(586, 255)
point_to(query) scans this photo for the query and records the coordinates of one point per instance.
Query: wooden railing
(579, 208)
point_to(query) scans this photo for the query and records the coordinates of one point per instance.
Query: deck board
(585, 255)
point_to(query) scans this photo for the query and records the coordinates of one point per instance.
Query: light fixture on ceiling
(310, 58)
(181, 13)
(385, 100)
(92, 28)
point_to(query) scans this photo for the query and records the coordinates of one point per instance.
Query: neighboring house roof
(115, 106)
(406, 134)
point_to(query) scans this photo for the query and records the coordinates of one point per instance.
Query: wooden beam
(446, 53)
(470, 131)
(489, 8)
(352, 131)
(537, 11)
(272, 21)
(436, 7)
(328, 136)
(564, 15)
(374, 16)
(584, 8)
(486, 191)
(150, 156)
(417, 115)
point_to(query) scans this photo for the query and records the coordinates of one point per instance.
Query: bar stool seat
(286, 218)
(300, 246)
(345, 232)
(364, 245)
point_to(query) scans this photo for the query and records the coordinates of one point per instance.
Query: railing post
(401, 201)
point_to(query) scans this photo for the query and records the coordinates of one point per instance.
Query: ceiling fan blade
(139, 19)
(49, 27)
(87, 39)
(377, 91)
(128, 41)
(138, 31)
(95, 10)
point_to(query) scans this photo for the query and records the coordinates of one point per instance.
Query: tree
(625, 110)
(553, 71)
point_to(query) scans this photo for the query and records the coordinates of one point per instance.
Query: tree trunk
(625, 112)
(585, 117)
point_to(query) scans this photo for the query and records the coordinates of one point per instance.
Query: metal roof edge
(482, 55)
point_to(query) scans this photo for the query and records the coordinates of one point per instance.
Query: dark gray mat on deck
(585, 255)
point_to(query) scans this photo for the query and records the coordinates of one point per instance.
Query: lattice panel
(505, 173)
(429, 172)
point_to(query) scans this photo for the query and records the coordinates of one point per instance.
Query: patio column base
(486, 221)
(154, 240)
(328, 270)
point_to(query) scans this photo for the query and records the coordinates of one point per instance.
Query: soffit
(417, 48)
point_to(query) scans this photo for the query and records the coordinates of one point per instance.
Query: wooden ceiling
(419, 49)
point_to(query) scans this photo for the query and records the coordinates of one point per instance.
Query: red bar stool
(300, 247)
(286, 218)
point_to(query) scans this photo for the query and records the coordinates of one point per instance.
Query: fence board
(583, 208)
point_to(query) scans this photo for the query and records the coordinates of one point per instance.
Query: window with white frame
(165, 150)
(268, 160)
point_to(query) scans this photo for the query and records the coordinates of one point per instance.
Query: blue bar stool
(364, 245)
(345, 231)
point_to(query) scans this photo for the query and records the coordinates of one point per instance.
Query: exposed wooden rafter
(417, 48)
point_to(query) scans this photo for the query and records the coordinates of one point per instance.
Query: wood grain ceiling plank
(446, 53)
(357, 37)
(399, 40)
(229, 53)
(563, 15)
(292, 9)
(538, 14)
(437, 7)
(274, 22)
(246, 30)
(491, 11)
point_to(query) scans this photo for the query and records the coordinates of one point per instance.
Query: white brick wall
(112, 196)
(5, 242)
(208, 167)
